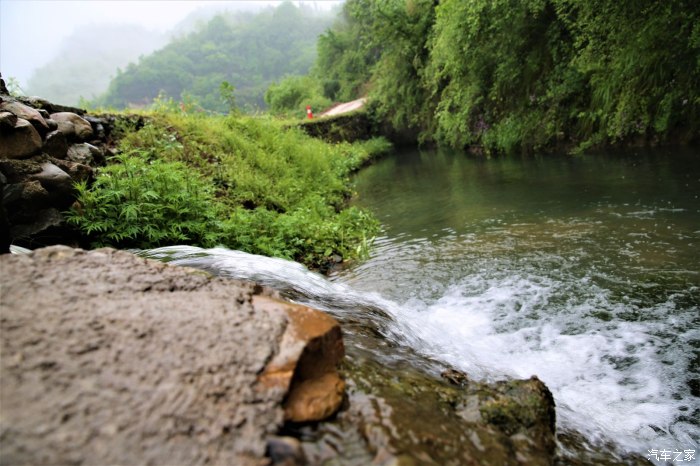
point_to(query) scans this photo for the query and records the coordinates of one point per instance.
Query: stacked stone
(44, 150)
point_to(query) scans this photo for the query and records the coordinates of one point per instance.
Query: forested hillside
(518, 75)
(247, 50)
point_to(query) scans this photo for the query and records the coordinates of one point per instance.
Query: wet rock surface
(408, 418)
(401, 415)
(20, 141)
(73, 126)
(108, 358)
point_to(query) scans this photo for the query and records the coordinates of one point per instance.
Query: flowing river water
(582, 270)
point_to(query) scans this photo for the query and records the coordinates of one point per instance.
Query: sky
(32, 31)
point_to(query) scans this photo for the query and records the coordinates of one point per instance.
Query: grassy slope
(243, 182)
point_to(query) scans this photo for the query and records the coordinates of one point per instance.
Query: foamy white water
(612, 379)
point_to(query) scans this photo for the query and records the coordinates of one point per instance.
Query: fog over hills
(64, 50)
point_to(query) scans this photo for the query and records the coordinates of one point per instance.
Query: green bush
(311, 233)
(137, 203)
(291, 95)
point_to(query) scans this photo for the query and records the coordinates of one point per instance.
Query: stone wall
(348, 127)
(44, 149)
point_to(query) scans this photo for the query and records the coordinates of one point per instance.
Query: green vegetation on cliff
(242, 182)
(518, 75)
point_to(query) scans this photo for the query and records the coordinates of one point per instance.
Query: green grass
(247, 183)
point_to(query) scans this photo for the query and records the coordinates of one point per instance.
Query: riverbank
(521, 77)
(173, 176)
(243, 182)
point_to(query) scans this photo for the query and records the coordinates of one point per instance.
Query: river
(582, 270)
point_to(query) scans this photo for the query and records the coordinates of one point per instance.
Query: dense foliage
(292, 95)
(247, 50)
(242, 182)
(517, 75)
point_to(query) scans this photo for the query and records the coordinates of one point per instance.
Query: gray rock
(77, 171)
(35, 194)
(21, 141)
(18, 171)
(53, 126)
(109, 358)
(29, 193)
(27, 113)
(83, 153)
(38, 102)
(73, 126)
(98, 126)
(53, 178)
(3, 88)
(40, 221)
(7, 120)
(285, 451)
(56, 145)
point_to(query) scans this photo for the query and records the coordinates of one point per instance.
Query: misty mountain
(198, 18)
(88, 59)
(248, 50)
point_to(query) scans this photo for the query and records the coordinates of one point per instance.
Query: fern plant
(135, 203)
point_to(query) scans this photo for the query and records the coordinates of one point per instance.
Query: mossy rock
(519, 406)
(348, 127)
(402, 415)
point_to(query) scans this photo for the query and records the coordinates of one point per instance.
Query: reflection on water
(582, 270)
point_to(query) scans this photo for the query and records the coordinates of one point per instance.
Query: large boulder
(26, 113)
(56, 145)
(73, 126)
(108, 358)
(7, 120)
(20, 141)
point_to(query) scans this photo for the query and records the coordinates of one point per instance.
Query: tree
(249, 51)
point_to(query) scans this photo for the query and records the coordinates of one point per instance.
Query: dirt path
(345, 107)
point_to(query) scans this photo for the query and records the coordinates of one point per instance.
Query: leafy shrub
(291, 95)
(137, 203)
(311, 233)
